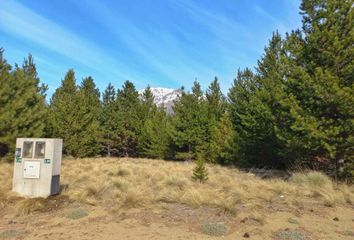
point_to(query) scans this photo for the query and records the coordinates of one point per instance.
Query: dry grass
(130, 183)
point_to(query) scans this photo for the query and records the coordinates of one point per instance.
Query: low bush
(77, 214)
(214, 229)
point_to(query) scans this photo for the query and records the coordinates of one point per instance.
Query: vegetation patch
(122, 186)
(214, 229)
(293, 221)
(311, 179)
(10, 234)
(122, 172)
(30, 205)
(289, 235)
(77, 214)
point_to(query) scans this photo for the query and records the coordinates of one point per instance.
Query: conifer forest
(294, 110)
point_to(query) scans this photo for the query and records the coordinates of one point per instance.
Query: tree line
(295, 109)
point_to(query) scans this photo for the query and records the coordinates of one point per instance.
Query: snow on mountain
(164, 97)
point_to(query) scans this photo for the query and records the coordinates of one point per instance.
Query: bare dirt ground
(177, 221)
(71, 216)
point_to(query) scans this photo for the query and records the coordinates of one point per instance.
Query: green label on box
(18, 160)
(47, 161)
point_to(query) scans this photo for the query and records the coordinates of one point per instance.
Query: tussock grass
(131, 183)
(311, 179)
(30, 205)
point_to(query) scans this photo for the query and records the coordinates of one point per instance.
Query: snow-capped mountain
(164, 97)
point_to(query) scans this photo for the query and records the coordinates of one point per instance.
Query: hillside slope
(153, 199)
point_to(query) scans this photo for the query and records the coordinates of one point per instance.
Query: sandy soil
(176, 221)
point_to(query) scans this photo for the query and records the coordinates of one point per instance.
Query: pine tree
(22, 104)
(153, 141)
(127, 120)
(216, 107)
(328, 37)
(315, 123)
(190, 124)
(223, 148)
(153, 136)
(200, 173)
(148, 107)
(253, 121)
(107, 120)
(216, 100)
(64, 112)
(90, 136)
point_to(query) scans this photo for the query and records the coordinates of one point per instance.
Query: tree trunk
(336, 170)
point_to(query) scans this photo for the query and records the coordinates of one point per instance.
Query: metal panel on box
(31, 169)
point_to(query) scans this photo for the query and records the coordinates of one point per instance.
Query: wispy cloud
(161, 43)
(160, 49)
(22, 22)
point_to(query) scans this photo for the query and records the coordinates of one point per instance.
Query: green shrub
(214, 229)
(77, 214)
(10, 234)
(289, 235)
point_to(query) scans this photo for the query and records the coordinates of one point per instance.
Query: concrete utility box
(37, 166)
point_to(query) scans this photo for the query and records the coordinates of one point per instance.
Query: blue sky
(165, 43)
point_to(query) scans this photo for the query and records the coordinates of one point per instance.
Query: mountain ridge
(164, 97)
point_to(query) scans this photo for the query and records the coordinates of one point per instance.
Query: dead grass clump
(176, 181)
(311, 179)
(123, 186)
(91, 193)
(3, 200)
(132, 199)
(258, 217)
(347, 193)
(122, 172)
(30, 205)
(319, 186)
(193, 198)
(293, 221)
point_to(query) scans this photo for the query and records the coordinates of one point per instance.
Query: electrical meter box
(37, 166)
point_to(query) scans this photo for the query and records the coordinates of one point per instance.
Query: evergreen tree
(328, 38)
(22, 104)
(153, 141)
(127, 120)
(90, 136)
(200, 173)
(189, 130)
(253, 121)
(216, 106)
(148, 107)
(153, 137)
(216, 100)
(317, 124)
(65, 114)
(107, 120)
(223, 148)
